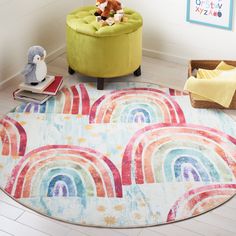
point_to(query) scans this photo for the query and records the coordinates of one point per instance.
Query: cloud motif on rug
(64, 171)
(73, 100)
(136, 105)
(179, 152)
(13, 137)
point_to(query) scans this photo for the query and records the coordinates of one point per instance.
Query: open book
(50, 86)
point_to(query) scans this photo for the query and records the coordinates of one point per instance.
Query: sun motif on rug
(135, 154)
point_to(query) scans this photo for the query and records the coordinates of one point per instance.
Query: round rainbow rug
(133, 155)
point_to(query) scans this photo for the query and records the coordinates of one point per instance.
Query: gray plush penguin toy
(35, 70)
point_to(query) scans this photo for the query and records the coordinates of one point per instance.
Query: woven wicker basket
(210, 65)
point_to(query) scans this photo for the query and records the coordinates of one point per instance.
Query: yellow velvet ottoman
(103, 51)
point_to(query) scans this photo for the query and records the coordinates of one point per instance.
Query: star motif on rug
(110, 220)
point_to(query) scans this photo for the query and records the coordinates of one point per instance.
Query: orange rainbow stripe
(163, 140)
(74, 100)
(209, 197)
(13, 137)
(146, 99)
(105, 176)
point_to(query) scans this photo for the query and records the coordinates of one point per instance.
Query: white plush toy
(35, 70)
(118, 17)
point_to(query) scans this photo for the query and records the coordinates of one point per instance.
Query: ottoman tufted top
(83, 21)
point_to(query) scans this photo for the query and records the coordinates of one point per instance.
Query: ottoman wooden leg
(70, 71)
(138, 71)
(100, 83)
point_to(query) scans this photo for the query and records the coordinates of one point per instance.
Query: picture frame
(215, 13)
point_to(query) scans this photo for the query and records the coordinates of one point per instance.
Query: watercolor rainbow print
(136, 105)
(163, 165)
(13, 137)
(62, 170)
(205, 198)
(73, 100)
(179, 152)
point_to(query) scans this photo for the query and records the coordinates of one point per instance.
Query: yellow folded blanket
(217, 85)
(211, 74)
(224, 66)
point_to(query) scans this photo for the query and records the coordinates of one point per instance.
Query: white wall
(24, 23)
(167, 33)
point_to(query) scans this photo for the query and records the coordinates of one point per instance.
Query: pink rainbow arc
(5, 140)
(76, 102)
(85, 100)
(174, 92)
(68, 101)
(97, 112)
(28, 171)
(35, 159)
(158, 130)
(195, 196)
(75, 105)
(166, 107)
(11, 144)
(148, 172)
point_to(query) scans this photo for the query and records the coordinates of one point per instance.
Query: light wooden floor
(20, 221)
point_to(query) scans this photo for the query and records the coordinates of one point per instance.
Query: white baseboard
(165, 56)
(53, 55)
(146, 52)
(50, 57)
(7, 82)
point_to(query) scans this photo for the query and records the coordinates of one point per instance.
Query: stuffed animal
(106, 7)
(35, 70)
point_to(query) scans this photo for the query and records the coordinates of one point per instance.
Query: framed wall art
(216, 13)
